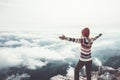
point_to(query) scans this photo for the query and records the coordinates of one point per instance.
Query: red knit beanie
(85, 32)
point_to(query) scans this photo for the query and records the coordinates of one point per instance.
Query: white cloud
(30, 53)
(97, 62)
(27, 56)
(70, 72)
(25, 43)
(20, 56)
(33, 64)
(9, 58)
(17, 76)
(105, 43)
(10, 43)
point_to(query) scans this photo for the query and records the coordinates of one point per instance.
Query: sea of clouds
(35, 50)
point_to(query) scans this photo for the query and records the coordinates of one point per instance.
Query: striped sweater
(86, 45)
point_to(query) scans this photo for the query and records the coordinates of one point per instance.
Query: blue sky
(59, 15)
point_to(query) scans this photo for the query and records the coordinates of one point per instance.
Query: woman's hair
(85, 32)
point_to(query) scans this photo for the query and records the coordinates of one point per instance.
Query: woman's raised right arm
(77, 40)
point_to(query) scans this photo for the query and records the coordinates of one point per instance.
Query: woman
(85, 53)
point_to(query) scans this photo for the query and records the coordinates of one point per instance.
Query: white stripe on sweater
(82, 59)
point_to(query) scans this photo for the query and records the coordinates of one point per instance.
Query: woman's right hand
(100, 34)
(62, 37)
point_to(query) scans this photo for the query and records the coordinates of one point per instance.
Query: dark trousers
(80, 64)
